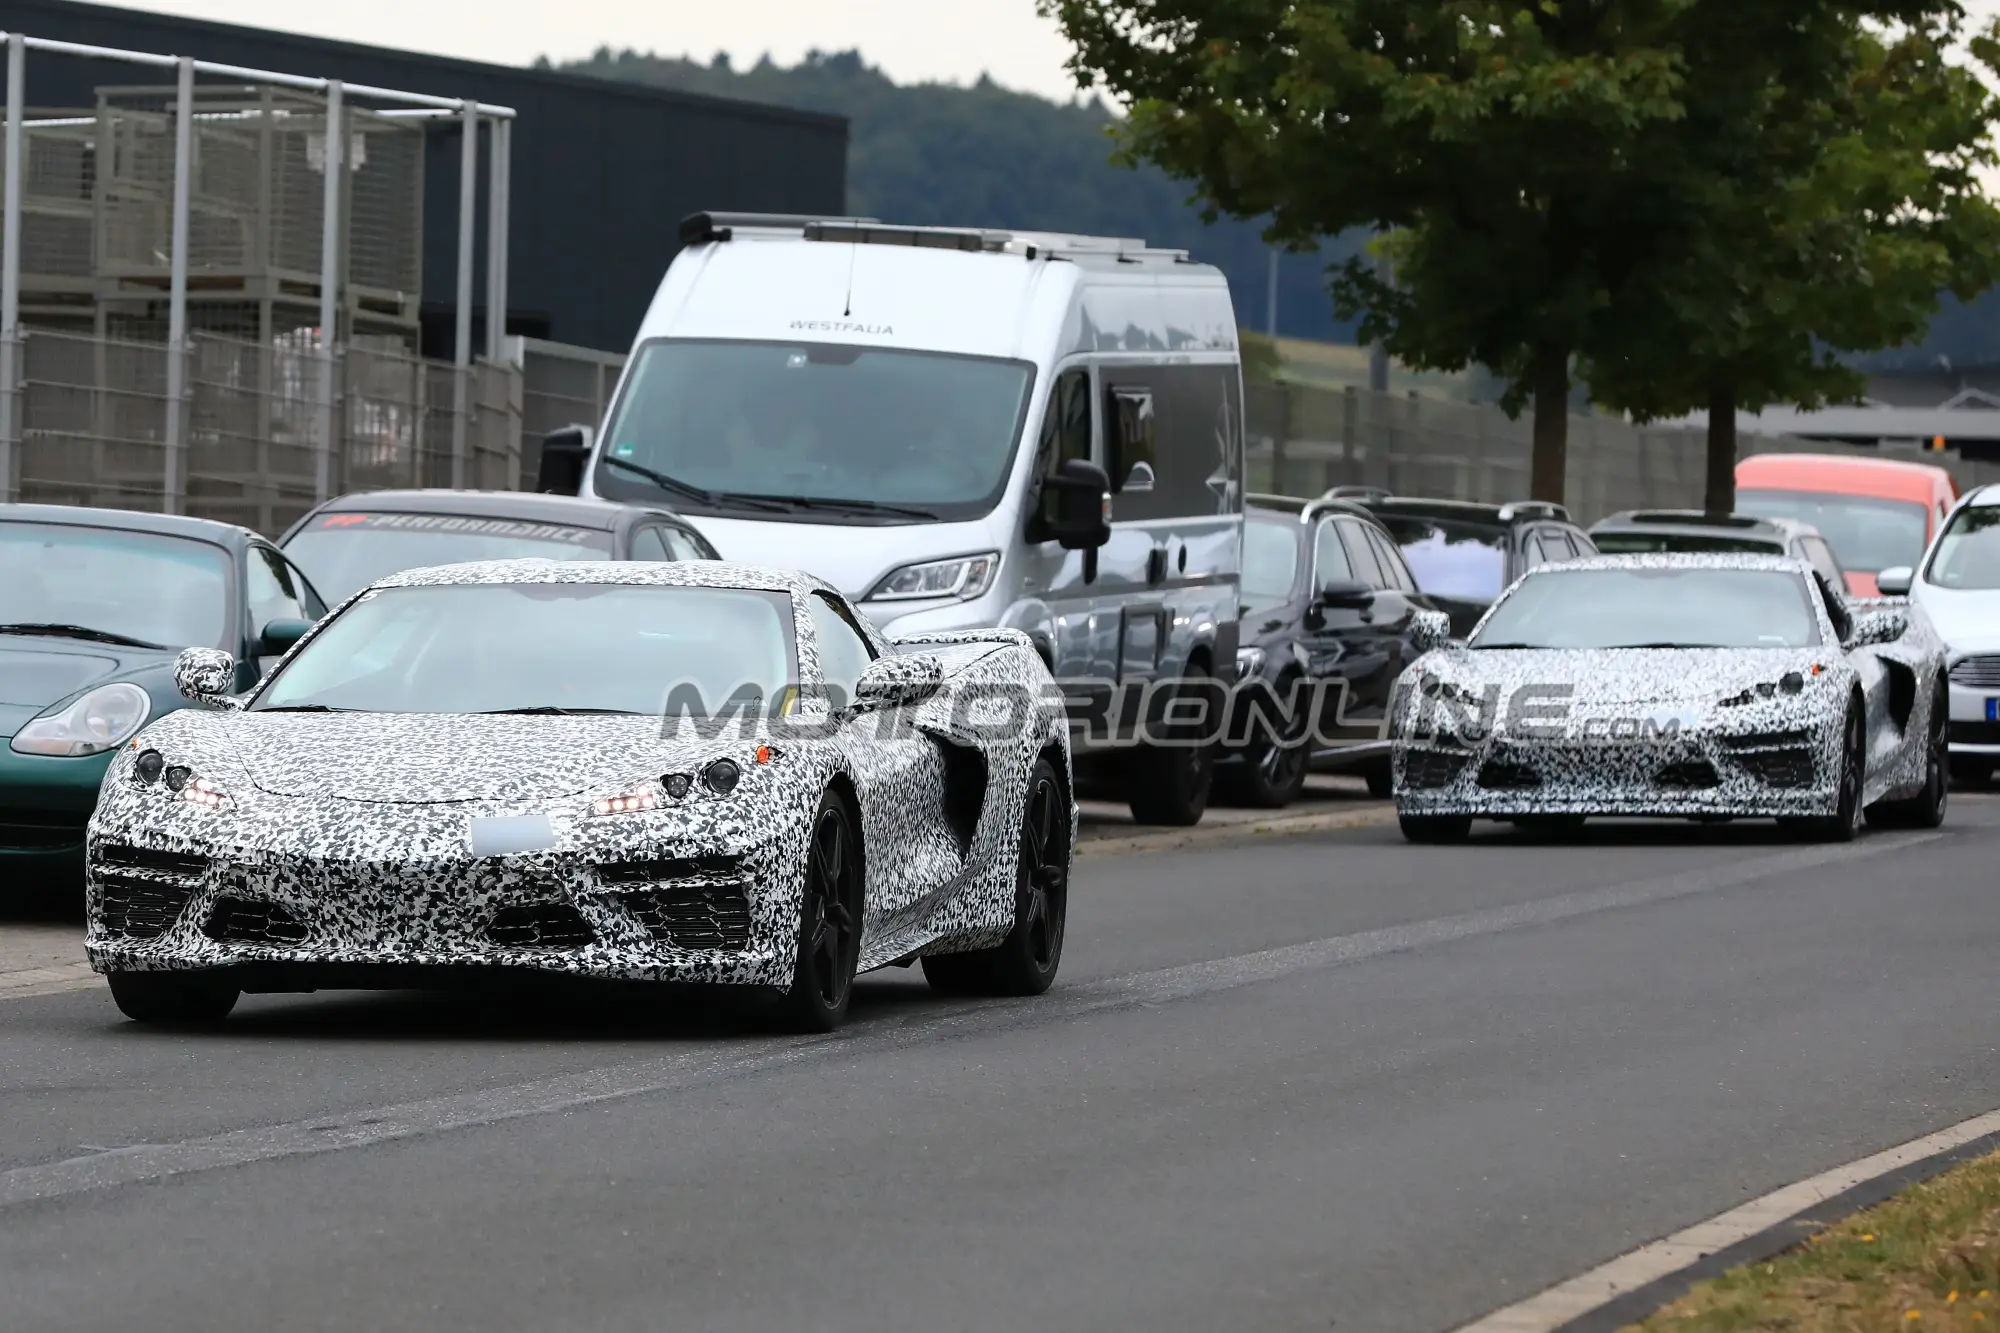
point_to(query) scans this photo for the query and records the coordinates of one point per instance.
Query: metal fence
(257, 443)
(560, 386)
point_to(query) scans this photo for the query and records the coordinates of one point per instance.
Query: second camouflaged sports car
(692, 772)
(1680, 686)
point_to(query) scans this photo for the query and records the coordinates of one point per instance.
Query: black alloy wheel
(1273, 770)
(829, 943)
(1926, 808)
(1845, 821)
(1025, 962)
(1170, 784)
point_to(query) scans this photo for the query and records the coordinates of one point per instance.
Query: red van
(1877, 513)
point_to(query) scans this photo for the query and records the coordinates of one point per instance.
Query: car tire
(1381, 780)
(828, 946)
(1170, 784)
(1926, 808)
(1025, 962)
(1272, 771)
(172, 999)
(1435, 829)
(1845, 822)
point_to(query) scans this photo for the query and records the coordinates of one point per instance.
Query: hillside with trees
(982, 155)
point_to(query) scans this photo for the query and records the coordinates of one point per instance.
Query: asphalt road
(1323, 1081)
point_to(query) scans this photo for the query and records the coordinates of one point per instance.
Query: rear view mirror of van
(564, 454)
(1082, 518)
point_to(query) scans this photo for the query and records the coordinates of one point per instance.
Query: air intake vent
(1505, 775)
(1427, 770)
(540, 926)
(1789, 769)
(693, 916)
(250, 921)
(142, 892)
(1689, 775)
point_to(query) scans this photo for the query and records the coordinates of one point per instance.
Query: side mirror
(279, 637)
(1349, 593)
(1873, 627)
(565, 452)
(1082, 519)
(907, 678)
(204, 674)
(1429, 629)
(1895, 581)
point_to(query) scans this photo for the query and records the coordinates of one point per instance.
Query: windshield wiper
(553, 710)
(1506, 645)
(80, 632)
(306, 708)
(1616, 646)
(840, 506)
(688, 490)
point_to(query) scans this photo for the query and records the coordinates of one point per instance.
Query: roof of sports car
(1679, 560)
(666, 574)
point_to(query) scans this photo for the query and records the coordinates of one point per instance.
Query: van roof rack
(700, 228)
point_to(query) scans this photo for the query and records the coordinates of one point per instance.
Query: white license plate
(509, 835)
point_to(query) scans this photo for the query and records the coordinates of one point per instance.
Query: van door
(1082, 646)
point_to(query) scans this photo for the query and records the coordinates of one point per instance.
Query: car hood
(1633, 676)
(1967, 620)
(419, 759)
(36, 672)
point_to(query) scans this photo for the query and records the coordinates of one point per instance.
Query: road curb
(1374, 813)
(1636, 1284)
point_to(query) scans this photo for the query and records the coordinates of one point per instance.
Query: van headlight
(964, 577)
(101, 720)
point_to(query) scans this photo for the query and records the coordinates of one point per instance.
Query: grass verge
(1927, 1259)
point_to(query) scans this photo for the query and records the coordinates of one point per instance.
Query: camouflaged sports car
(1680, 686)
(692, 772)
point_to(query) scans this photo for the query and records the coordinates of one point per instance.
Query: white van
(960, 429)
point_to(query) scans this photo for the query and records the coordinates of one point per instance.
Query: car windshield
(1653, 608)
(146, 588)
(1968, 554)
(344, 553)
(902, 436)
(1271, 555)
(1451, 559)
(1868, 535)
(1629, 543)
(589, 647)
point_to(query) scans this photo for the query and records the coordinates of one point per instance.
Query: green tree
(1819, 194)
(1489, 139)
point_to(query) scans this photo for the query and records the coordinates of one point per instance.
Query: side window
(1391, 561)
(272, 593)
(1531, 553)
(1362, 555)
(685, 544)
(843, 650)
(1330, 563)
(1820, 556)
(309, 597)
(1131, 440)
(1173, 440)
(1836, 607)
(1580, 542)
(1065, 427)
(647, 543)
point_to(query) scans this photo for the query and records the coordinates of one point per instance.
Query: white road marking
(361, 1128)
(1579, 1296)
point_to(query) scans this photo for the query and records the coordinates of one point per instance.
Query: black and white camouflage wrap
(1740, 747)
(356, 825)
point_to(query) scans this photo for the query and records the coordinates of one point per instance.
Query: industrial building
(601, 172)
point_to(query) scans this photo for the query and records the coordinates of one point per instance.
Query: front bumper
(710, 909)
(45, 804)
(1792, 772)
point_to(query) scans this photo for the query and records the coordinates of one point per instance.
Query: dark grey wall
(602, 172)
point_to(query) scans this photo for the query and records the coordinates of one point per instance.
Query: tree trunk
(1548, 471)
(1719, 494)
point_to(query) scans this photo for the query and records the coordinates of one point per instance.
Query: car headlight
(1792, 682)
(964, 577)
(1249, 661)
(101, 720)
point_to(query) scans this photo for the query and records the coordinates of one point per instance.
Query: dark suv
(1326, 598)
(1464, 554)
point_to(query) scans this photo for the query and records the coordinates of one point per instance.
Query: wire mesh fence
(262, 441)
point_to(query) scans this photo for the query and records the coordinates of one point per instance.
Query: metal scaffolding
(472, 115)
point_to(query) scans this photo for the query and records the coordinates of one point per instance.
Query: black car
(95, 606)
(348, 543)
(1464, 554)
(1326, 597)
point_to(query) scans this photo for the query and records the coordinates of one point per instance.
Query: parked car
(1876, 513)
(1638, 531)
(1464, 554)
(348, 543)
(1957, 583)
(1067, 461)
(1326, 598)
(94, 606)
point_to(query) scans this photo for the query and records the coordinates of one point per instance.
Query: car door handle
(1156, 564)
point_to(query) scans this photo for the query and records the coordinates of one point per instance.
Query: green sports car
(94, 606)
